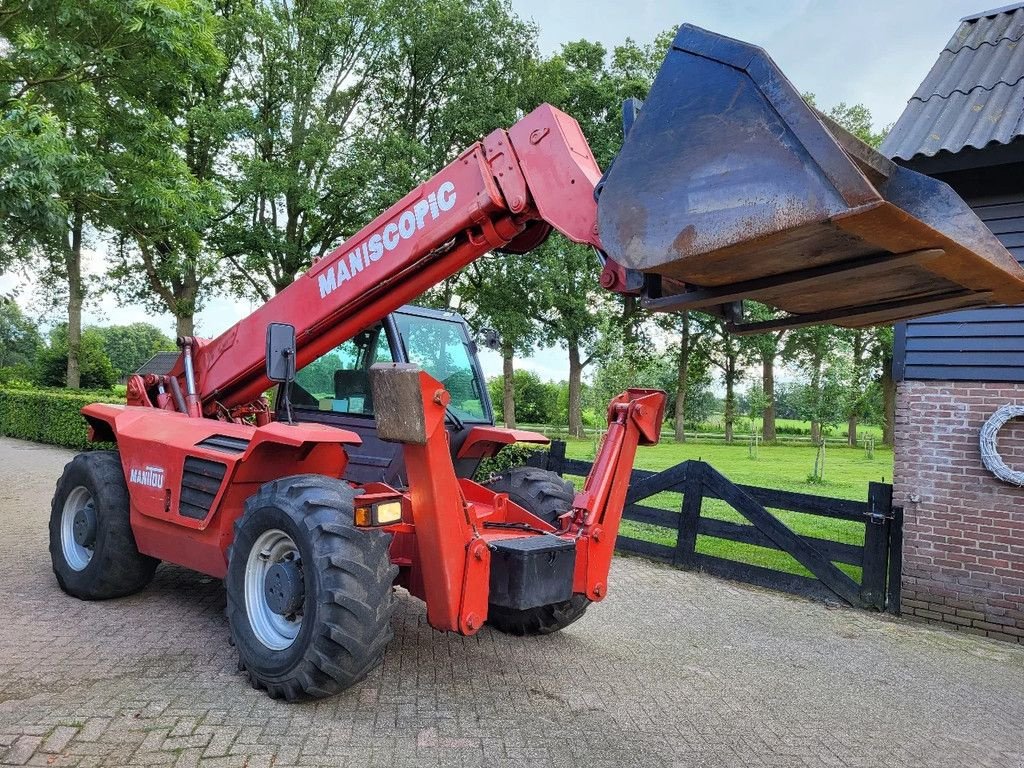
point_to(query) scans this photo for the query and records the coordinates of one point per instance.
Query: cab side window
(339, 381)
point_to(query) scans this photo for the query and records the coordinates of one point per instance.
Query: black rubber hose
(179, 401)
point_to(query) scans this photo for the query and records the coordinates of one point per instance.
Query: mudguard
(188, 478)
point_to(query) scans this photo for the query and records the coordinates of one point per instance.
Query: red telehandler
(728, 186)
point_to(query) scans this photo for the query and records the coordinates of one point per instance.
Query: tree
(453, 74)
(575, 314)
(858, 391)
(854, 118)
(536, 400)
(302, 78)
(165, 255)
(573, 306)
(727, 353)
(820, 352)
(766, 349)
(129, 346)
(691, 364)
(19, 336)
(95, 369)
(880, 344)
(81, 73)
(502, 293)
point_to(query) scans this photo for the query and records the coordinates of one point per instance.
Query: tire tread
(356, 601)
(546, 495)
(117, 568)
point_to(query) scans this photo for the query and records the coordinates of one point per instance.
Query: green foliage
(129, 346)
(19, 336)
(96, 369)
(18, 376)
(88, 88)
(855, 118)
(514, 455)
(536, 400)
(47, 416)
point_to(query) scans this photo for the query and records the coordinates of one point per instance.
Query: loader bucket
(729, 183)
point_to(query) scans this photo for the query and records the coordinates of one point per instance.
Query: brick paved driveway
(673, 669)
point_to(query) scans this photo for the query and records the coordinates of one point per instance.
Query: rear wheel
(92, 547)
(548, 496)
(309, 594)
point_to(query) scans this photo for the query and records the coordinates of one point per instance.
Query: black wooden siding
(975, 344)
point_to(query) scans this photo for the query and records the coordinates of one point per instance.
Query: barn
(964, 528)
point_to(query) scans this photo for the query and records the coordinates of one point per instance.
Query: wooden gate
(878, 558)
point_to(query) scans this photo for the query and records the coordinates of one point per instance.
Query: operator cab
(335, 388)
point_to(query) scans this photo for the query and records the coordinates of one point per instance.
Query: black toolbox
(532, 571)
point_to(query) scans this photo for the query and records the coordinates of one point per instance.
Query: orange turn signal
(373, 513)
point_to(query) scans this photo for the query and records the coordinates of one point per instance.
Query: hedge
(49, 415)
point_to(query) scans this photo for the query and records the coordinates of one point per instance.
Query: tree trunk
(575, 389)
(185, 325)
(630, 308)
(889, 402)
(683, 375)
(816, 393)
(508, 395)
(856, 388)
(768, 385)
(730, 396)
(76, 297)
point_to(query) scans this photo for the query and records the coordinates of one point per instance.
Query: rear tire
(546, 495)
(337, 593)
(92, 546)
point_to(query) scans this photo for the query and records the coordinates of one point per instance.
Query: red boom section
(514, 183)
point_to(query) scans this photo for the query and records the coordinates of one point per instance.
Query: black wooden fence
(878, 557)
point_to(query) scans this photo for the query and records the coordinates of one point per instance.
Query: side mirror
(489, 338)
(280, 352)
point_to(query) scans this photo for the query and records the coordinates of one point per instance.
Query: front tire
(548, 496)
(309, 594)
(92, 546)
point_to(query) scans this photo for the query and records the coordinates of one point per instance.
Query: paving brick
(673, 669)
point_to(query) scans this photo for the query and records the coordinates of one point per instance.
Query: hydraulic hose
(179, 400)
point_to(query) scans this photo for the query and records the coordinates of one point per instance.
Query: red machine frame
(506, 192)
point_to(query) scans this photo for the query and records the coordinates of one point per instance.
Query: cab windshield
(339, 381)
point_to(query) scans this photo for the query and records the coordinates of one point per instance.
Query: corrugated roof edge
(959, 105)
(993, 12)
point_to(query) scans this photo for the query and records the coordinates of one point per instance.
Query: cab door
(335, 389)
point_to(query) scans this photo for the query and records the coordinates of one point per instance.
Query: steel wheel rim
(276, 632)
(75, 555)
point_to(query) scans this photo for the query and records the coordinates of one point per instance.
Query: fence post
(877, 525)
(556, 457)
(895, 582)
(689, 516)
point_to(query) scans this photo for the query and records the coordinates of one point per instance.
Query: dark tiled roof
(161, 363)
(974, 94)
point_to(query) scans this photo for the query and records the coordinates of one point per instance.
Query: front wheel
(548, 496)
(309, 594)
(92, 546)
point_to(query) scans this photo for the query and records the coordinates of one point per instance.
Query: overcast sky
(870, 52)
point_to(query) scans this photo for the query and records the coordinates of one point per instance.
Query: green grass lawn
(847, 474)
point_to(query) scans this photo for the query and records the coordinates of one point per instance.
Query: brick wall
(963, 553)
